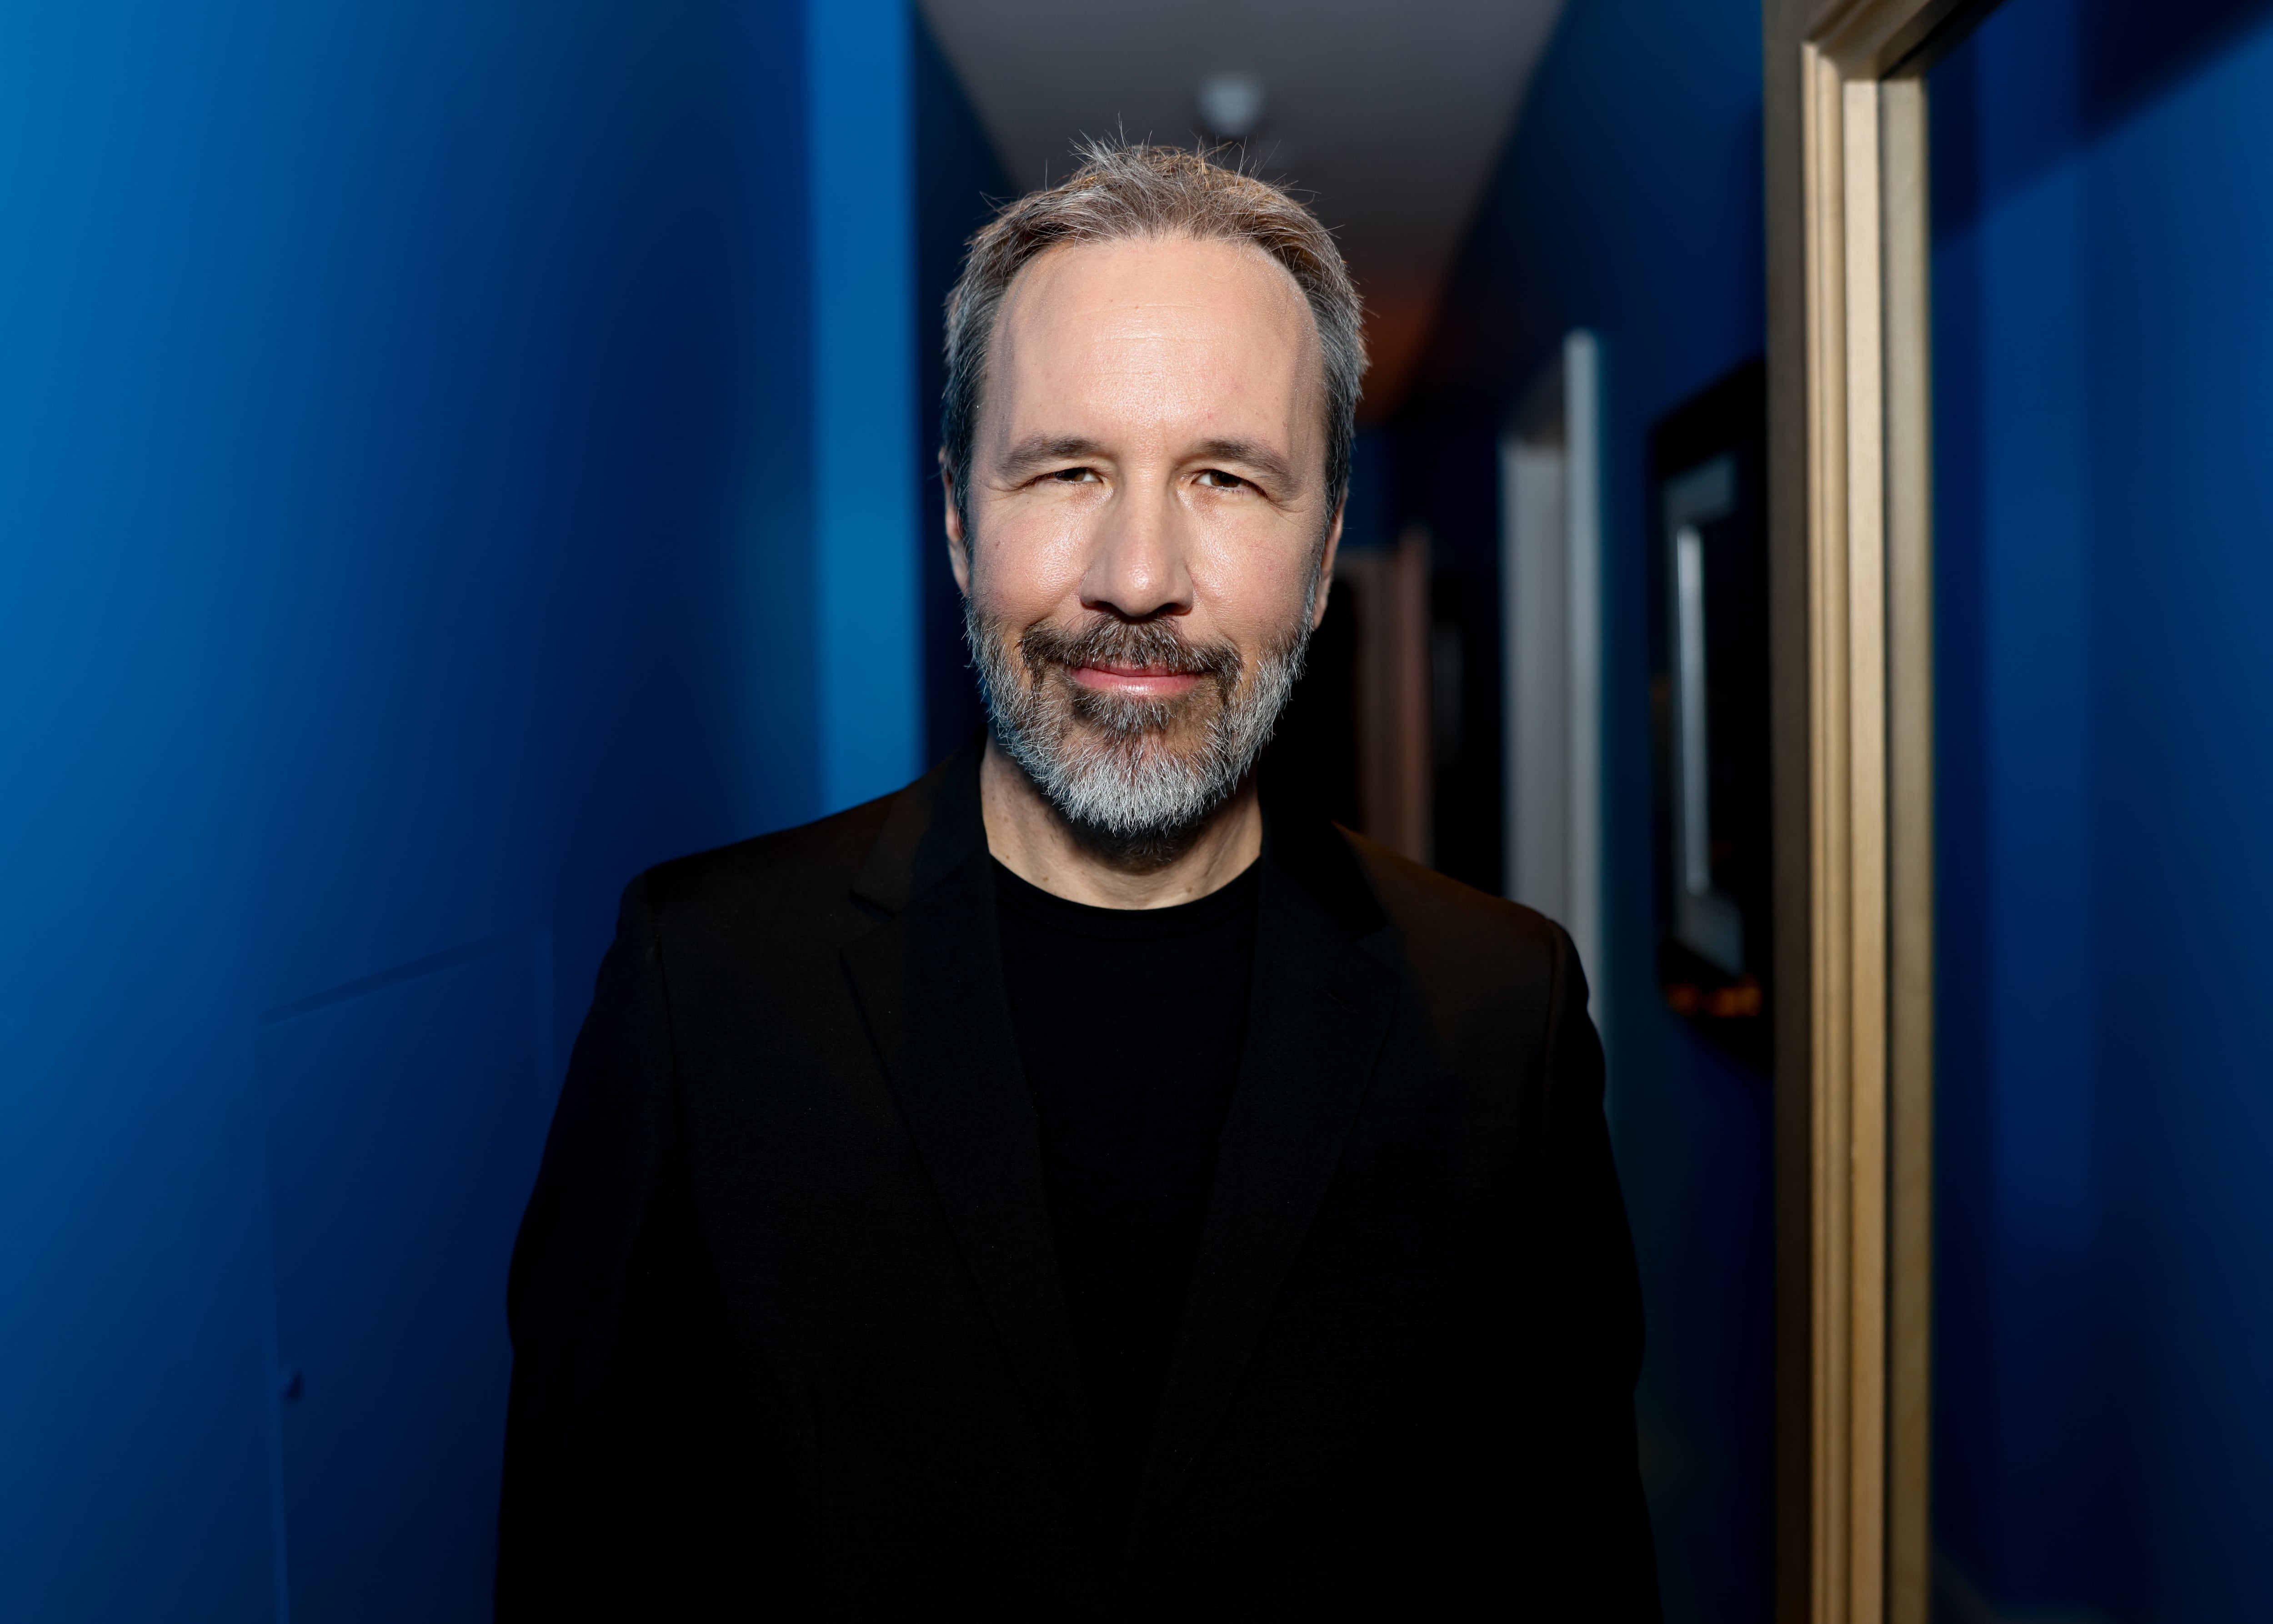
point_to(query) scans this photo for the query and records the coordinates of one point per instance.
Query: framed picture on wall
(1709, 699)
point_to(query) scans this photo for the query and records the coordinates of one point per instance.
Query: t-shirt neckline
(1181, 919)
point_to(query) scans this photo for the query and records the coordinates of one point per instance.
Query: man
(1075, 1187)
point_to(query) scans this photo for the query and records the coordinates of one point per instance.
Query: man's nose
(1137, 568)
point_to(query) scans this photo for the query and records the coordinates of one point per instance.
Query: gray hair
(1125, 190)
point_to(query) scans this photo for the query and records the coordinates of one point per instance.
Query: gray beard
(1134, 779)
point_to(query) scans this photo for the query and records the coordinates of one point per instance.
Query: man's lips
(1137, 681)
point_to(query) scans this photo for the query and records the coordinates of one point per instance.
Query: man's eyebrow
(1038, 450)
(1255, 455)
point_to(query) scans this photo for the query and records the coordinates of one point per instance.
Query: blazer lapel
(929, 979)
(1323, 996)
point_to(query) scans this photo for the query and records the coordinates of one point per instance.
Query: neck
(1027, 837)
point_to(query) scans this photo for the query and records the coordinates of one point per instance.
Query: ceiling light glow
(1231, 106)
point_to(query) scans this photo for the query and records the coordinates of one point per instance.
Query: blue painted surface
(406, 471)
(1630, 202)
(867, 467)
(2105, 1247)
(404, 1125)
(959, 183)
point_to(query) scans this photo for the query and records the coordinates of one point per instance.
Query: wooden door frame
(1851, 545)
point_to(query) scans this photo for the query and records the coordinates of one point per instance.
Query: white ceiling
(1387, 117)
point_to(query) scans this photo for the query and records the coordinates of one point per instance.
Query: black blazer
(790, 1335)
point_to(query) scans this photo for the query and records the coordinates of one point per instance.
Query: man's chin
(1181, 752)
(1128, 795)
(1145, 843)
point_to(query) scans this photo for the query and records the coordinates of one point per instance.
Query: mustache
(1151, 646)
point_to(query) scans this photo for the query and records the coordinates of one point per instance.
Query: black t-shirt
(1130, 1023)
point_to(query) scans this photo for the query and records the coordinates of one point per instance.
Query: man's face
(1148, 532)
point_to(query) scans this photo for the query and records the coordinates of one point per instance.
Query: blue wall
(1629, 201)
(2102, 350)
(869, 601)
(959, 181)
(405, 535)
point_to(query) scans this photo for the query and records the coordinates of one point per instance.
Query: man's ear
(958, 549)
(1326, 566)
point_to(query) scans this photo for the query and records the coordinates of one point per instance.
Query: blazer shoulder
(1445, 922)
(822, 856)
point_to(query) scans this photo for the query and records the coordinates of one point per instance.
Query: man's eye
(1216, 480)
(1074, 476)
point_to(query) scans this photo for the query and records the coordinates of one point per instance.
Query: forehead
(1159, 318)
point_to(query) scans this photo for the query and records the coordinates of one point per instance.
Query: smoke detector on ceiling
(1231, 106)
